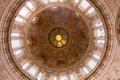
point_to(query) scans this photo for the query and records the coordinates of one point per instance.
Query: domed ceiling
(56, 40)
(59, 38)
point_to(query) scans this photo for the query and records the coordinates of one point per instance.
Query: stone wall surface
(113, 6)
(3, 5)
(113, 73)
(4, 74)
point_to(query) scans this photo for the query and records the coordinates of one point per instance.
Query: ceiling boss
(58, 37)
